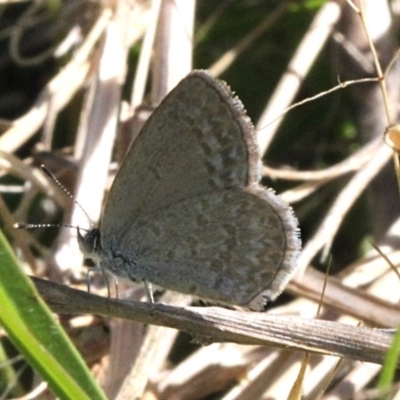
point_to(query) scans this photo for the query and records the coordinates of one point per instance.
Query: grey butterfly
(186, 211)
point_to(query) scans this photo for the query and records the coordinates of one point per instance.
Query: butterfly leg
(149, 291)
(116, 288)
(99, 269)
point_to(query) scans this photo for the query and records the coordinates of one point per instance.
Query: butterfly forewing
(196, 141)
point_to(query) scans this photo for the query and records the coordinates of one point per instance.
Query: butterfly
(186, 210)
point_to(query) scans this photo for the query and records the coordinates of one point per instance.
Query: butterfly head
(89, 243)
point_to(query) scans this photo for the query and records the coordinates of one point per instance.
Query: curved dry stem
(225, 61)
(143, 67)
(352, 163)
(26, 21)
(297, 69)
(345, 200)
(58, 91)
(16, 167)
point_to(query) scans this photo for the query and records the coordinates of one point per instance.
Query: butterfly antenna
(22, 225)
(68, 193)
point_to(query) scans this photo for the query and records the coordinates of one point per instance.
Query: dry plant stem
(12, 1)
(16, 167)
(377, 64)
(142, 70)
(59, 90)
(352, 50)
(352, 163)
(373, 271)
(173, 47)
(298, 68)
(319, 373)
(152, 356)
(357, 379)
(203, 30)
(330, 225)
(392, 62)
(389, 392)
(20, 237)
(382, 82)
(270, 378)
(122, 356)
(329, 377)
(214, 324)
(36, 393)
(96, 135)
(386, 258)
(211, 369)
(351, 301)
(27, 20)
(301, 191)
(370, 107)
(227, 59)
(297, 388)
(267, 372)
(367, 270)
(5, 32)
(340, 86)
(98, 126)
(48, 127)
(136, 381)
(13, 381)
(396, 162)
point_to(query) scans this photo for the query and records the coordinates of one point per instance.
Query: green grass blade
(387, 375)
(35, 332)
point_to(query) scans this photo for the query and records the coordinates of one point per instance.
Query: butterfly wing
(229, 246)
(196, 141)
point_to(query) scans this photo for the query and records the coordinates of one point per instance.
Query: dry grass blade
(58, 91)
(300, 64)
(229, 57)
(325, 234)
(214, 324)
(353, 163)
